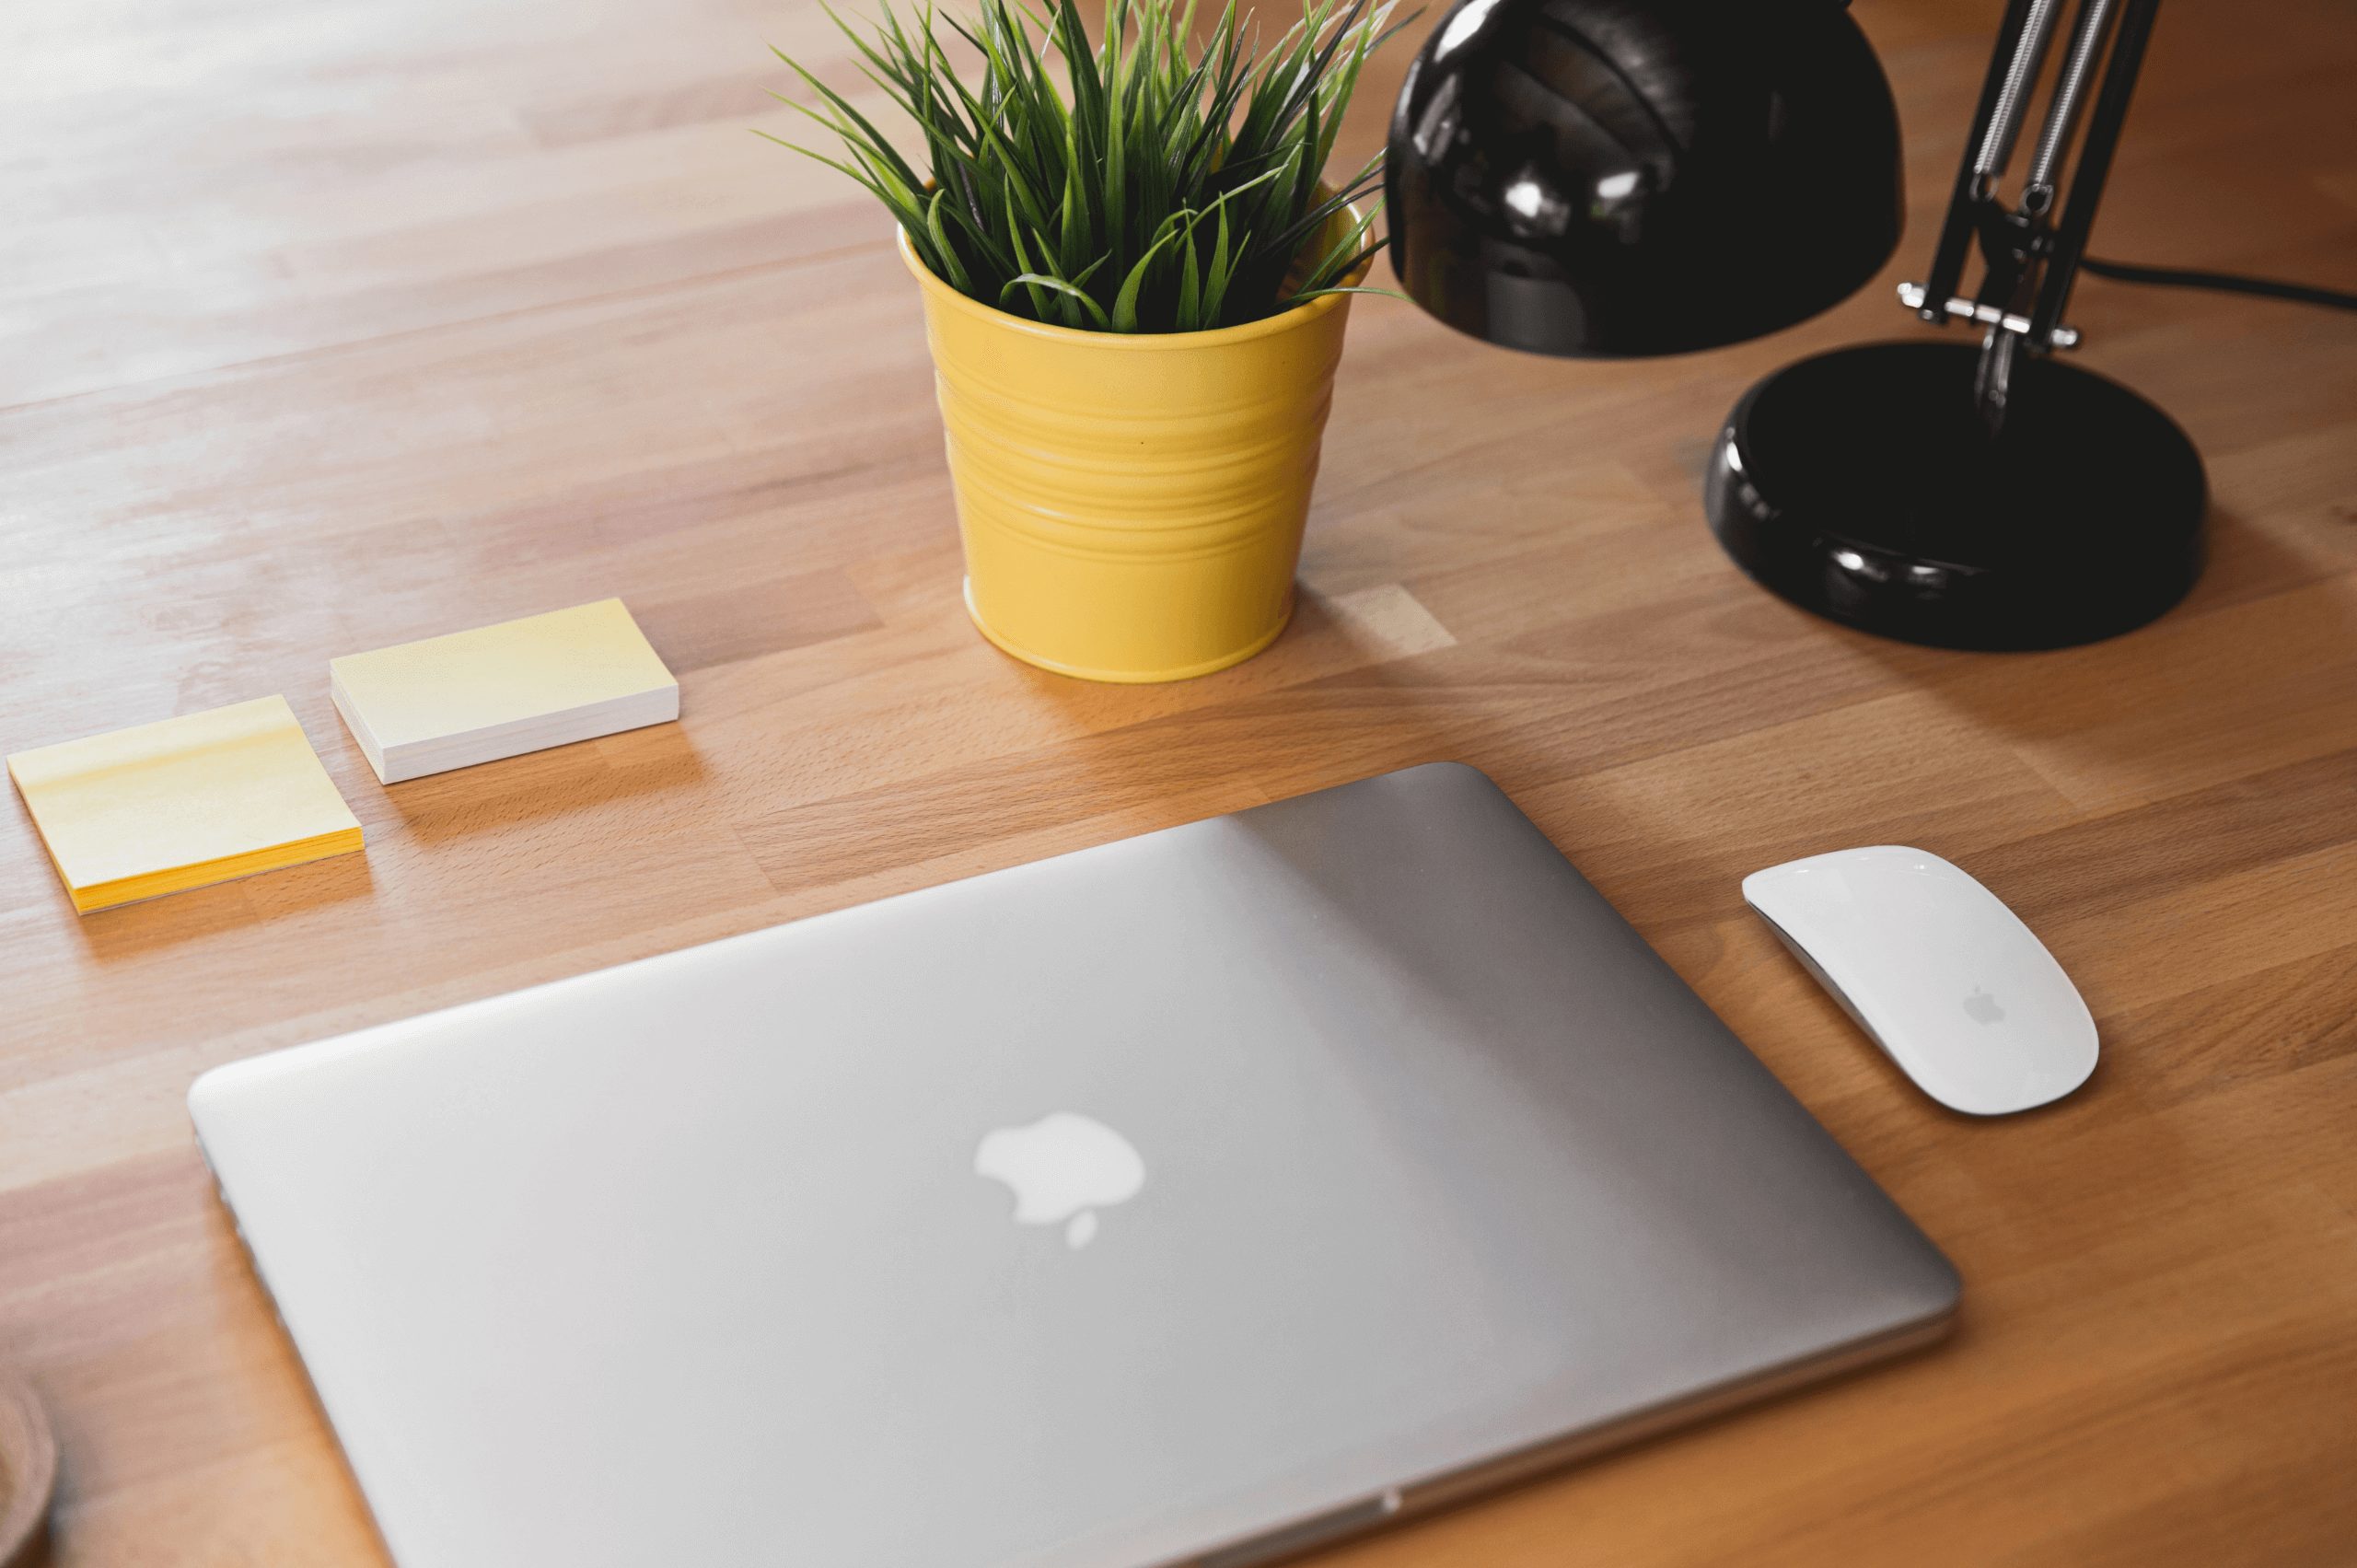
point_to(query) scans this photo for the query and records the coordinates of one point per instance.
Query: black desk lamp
(1607, 178)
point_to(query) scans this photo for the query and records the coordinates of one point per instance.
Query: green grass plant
(1167, 184)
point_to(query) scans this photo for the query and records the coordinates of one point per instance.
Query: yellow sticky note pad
(471, 696)
(182, 802)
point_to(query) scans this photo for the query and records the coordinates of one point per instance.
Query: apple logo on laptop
(1982, 1008)
(1062, 1168)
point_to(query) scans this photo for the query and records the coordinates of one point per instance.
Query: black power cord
(2231, 283)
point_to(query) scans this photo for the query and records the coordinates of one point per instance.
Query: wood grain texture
(326, 326)
(28, 1473)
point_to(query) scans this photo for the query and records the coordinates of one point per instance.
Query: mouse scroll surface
(1960, 994)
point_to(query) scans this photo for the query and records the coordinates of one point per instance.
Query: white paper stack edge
(501, 690)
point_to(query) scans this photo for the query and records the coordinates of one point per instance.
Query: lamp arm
(1984, 158)
(2094, 169)
(2063, 114)
(2030, 261)
(2020, 74)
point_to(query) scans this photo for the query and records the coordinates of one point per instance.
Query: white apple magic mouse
(1947, 980)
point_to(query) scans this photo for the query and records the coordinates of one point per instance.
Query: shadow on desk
(563, 780)
(2264, 623)
(132, 931)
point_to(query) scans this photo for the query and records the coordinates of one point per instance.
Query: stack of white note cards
(501, 691)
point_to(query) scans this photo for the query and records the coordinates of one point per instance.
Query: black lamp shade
(1621, 178)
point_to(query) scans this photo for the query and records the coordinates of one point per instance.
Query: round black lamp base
(1862, 484)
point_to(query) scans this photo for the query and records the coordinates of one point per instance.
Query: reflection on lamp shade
(1611, 178)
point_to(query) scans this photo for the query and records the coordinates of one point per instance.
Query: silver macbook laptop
(1195, 1198)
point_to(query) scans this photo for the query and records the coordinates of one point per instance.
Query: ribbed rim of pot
(1267, 326)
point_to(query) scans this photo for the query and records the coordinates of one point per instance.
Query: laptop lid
(1189, 1198)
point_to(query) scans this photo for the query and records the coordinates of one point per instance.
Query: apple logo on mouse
(1062, 1169)
(1982, 1008)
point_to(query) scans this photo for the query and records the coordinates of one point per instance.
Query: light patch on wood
(1387, 622)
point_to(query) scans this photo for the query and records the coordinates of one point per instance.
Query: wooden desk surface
(333, 323)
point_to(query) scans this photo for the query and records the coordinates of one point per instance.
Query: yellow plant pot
(1131, 504)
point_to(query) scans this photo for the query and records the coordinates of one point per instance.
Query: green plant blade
(1065, 290)
(1139, 178)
